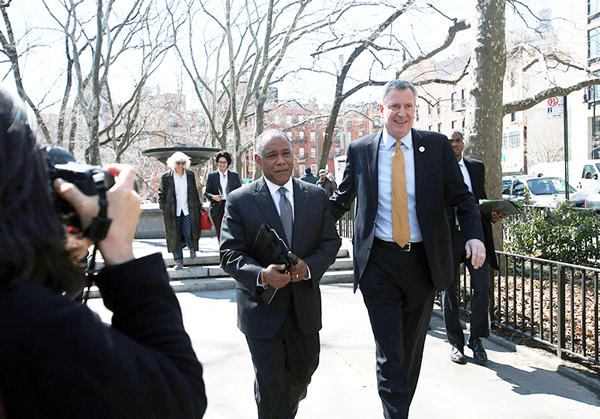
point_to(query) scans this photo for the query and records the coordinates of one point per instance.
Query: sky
(43, 72)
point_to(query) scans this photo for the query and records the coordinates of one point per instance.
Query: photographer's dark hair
(224, 154)
(32, 244)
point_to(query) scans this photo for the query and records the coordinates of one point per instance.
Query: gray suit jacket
(438, 181)
(314, 239)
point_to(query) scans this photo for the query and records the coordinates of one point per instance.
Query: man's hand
(496, 216)
(217, 198)
(272, 275)
(476, 251)
(299, 270)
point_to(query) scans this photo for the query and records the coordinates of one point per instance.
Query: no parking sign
(555, 107)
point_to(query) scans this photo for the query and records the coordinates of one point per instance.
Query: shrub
(562, 234)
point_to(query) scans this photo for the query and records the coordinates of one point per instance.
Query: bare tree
(10, 48)
(96, 42)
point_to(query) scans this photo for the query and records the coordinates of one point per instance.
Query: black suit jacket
(438, 181)
(314, 239)
(213, 187)
(476, 171)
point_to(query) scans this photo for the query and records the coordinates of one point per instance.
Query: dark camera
(62, 164)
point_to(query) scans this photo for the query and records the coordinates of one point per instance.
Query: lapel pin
(422, 149)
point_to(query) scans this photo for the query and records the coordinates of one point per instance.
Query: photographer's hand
(124, 208)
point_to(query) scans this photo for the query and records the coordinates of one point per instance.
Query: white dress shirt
(384, 228)
(181, 193)
(289, 194)
(223, 180)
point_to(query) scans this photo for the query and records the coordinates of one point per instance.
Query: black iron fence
(551, 302)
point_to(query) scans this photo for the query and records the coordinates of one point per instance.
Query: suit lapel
(267, 207)
(301, 210)
(372, 158)
(420, 157)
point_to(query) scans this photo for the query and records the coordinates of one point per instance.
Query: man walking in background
(473, 173)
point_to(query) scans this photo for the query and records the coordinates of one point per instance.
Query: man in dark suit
(218, 185)
(473, 173)
(283, 336)
(402, 179)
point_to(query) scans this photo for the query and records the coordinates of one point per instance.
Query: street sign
(555, 107)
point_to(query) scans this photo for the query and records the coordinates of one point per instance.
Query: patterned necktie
(286, 215)
(399, 198)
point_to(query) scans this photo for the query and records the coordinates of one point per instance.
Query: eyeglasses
(180, 163)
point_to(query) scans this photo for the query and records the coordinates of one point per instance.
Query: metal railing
(551, 302)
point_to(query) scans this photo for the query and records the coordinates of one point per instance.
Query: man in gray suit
(402, 249)
(283, 336)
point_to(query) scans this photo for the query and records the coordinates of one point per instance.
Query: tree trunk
(484, 109)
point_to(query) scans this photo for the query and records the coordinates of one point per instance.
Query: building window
(276, 119)
(454, 124)
(313, 152)
(513, 117)
(429, 109)
(463, 124)
(439, 106)
(290, 136)
(288, 119)
(361, 133)
(417, 112)
(440, 127)
(301, 135)
(463, 98)
(454, 99)
(514, 139)
(430, 128)
(301, 168)
(593, 6)
(301, 152)
(594, 43)
(313, 136)
(513, 77)
(313, 168)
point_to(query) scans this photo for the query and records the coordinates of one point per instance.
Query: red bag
(205, 223)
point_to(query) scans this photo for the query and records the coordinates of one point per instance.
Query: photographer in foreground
(57, 359)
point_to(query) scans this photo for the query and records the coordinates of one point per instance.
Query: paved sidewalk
(512, 385)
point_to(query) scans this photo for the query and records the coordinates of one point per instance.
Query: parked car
(543, 191)
(593, 199)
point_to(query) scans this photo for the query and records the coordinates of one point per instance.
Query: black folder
(502, 206)
(269, 249)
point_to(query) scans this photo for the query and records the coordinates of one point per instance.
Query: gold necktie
(399, 198)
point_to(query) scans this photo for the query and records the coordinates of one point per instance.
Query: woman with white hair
(180, 202)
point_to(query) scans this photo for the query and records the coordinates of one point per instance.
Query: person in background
(308, 176)
(57, 358)
(473, 172)
(218, 185)
(402, 179)
(179, 200)
(325, 183)
(283, 335)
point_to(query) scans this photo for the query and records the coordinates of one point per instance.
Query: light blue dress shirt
(384, 226)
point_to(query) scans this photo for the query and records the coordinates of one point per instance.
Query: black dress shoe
(457, 355)
(479, 354)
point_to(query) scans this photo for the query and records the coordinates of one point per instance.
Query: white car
(543, 191)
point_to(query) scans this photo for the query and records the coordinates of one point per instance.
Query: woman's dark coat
(168, 204)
